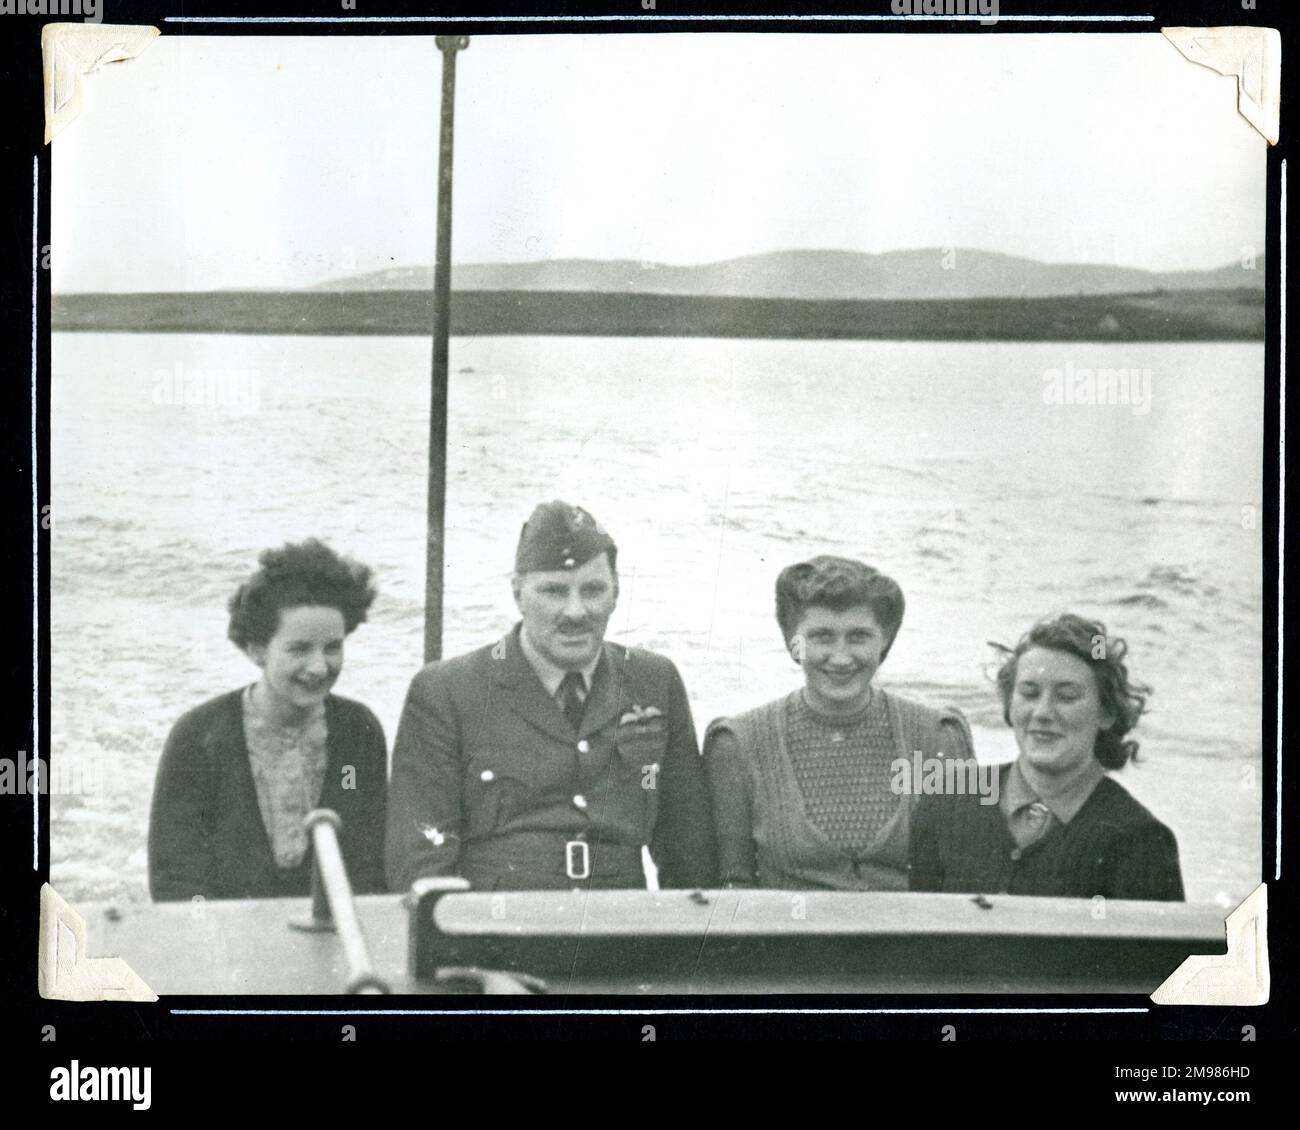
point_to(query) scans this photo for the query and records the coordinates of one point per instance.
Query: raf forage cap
(560, 536)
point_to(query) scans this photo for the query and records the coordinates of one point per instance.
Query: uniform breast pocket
(641, 750)
(642, 743)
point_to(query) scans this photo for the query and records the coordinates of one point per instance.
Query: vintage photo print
(808, 536)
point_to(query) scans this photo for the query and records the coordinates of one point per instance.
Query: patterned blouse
(288, 764)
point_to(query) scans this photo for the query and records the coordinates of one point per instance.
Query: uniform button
(579, 801)
(584, 746)
(1015, 853)
(487, 775)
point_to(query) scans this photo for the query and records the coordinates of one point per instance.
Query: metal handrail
(332, 907)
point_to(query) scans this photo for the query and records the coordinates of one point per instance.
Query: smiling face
(302, 661)
(1056, 711)
(839, 652)
(566, 611)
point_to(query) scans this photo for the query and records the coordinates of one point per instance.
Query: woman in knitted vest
(1061, 826)
(802, 787)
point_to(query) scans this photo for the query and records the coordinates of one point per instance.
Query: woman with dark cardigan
(1061, 826)
(239, 773)
(803, 788)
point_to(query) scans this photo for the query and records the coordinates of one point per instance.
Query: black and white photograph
(720, 513)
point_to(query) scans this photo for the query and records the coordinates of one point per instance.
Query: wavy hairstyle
(837, 583)
(302, 573)
(1121, 697)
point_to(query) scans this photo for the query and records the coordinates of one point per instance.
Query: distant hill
(817, 275)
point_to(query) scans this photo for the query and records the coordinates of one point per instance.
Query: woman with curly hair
(802, 787)
(1060, 825)
(239, 773)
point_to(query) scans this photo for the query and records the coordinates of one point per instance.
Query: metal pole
(320, 902)
(322, 826)
(437, 504)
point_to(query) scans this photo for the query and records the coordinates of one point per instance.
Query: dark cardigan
(1113, 847)
(206, 834)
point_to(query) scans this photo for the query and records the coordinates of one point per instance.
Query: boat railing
(332, 906)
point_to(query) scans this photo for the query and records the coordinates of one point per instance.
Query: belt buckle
(577, 859)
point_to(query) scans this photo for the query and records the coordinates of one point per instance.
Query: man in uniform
(548, 759)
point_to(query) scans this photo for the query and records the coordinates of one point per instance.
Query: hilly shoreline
(933, 272)
(815, 295)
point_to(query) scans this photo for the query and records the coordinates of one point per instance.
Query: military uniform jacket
(490, 781)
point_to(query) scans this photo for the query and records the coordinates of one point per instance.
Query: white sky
(226, 162)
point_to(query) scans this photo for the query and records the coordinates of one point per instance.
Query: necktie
(573, 698)
(1031, 823)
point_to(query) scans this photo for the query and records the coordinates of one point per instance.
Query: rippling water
(714, 463)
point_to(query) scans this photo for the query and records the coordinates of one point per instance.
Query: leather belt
(525, 860)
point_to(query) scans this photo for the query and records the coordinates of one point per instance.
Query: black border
(193, 1048)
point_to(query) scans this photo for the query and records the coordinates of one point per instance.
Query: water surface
(714, 463)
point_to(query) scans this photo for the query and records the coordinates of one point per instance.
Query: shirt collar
(257, 713)
(550, 675)
(1064, 805)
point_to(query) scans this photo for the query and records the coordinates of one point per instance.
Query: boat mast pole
(437, 503)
